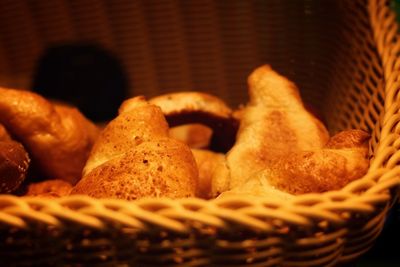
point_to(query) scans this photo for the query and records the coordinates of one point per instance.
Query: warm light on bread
(282, 148)
(207, 161)
(178, 145)
(201, 108)
(134, 158)
(57, 137)
(49, 189)
(273, 124)
(195, 135)
(14, 163)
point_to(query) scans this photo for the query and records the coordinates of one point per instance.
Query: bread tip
(132, 103)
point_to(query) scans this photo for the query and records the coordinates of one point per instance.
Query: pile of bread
(178, 145)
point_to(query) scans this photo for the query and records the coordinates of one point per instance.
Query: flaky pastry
(283, 148)
(273, 124)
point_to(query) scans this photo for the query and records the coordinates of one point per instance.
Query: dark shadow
(84, 75)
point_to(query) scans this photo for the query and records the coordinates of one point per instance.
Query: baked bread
(4, 135)
(274, 124)
(207, 161)
(49, 189)
(196, 107)
(258, 186)
(342, 160)
(283, 150)
(195, 135)
(134, 158)
(57, 137)
(14, 163)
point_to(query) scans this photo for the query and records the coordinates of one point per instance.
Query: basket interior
(326, 47)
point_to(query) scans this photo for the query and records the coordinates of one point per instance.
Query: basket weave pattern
(311, 230)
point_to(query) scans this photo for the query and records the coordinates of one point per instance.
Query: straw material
(361, 90)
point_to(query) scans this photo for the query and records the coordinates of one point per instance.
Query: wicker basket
(361, 90)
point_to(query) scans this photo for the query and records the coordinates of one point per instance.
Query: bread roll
(57, 137)
(273, 124)
(196, 107)
(342, 160)
(283, 150)
(134, 158)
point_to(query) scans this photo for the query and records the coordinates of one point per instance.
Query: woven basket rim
(360, 196)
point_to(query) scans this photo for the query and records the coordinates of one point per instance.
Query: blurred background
(61, 47)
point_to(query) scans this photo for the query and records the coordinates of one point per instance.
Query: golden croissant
(134, 158)
(57, 137)
(283, 148)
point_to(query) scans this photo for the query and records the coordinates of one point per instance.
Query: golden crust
(324, 169)
(182, 102)
(49, 189)
(258, 186)
(152, 169)
(58, 138)
(14, 163)
(135, 158)
(282, 149)
(353, 138)
(273, 124)
(137, 122)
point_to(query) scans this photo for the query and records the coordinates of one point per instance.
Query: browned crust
(349, 139)
(279, 138)
(134, 158)
(274, 124)
(344, 159)
(191, 102)
(152, 169)
(14, 163)
(49, 189)
(58, 138)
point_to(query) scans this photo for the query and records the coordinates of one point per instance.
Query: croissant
(343, 159)
(273, 124)
(57, 137)
(196, 107)
(14, 163)
(134, 158)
